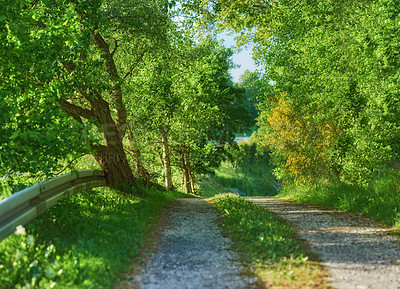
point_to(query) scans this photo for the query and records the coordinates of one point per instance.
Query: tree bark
(139, 168)
(166, 161)
(188, 184)
(111, 156)
(120, 108)
(114, 164)
(192, 178)
(186, 178)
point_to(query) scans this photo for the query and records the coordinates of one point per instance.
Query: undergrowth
(268, 245)
(85, 241)
(247, 172)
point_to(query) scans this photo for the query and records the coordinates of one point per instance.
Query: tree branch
(115, 47)
(75, 111)
(138, 60)
(120, 109)
(69, 66)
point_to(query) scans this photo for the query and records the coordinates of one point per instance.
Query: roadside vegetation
(328, 97)
(379, 200)
(86, 241)
(268, 246)
(246, 171)
(284, 263)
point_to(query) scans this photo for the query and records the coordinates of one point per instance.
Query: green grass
(248, 177)
(380, 200)
(268, 246)
(86, 241)
(246, 171)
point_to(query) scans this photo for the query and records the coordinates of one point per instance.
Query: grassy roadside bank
(380, 200)
(85, 241)
(268, 246)
(249, 227)
(249, 166)
(249, 180)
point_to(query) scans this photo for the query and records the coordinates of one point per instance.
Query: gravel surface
(358, 253)
(192, 253)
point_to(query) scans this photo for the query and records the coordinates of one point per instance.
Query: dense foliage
(338, 62)
(115, 79)
(62, 80)
(334, 69)
(193, 106)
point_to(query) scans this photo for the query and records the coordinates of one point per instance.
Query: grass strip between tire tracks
(268, 246)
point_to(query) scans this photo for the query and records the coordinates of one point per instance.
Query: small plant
(33, 265)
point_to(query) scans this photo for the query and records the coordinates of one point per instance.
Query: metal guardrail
(26, 205)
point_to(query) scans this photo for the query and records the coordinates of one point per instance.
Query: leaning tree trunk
(113, 162)
(166, 161)
(110, 156)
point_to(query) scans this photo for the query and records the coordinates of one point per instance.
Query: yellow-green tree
(301, 139)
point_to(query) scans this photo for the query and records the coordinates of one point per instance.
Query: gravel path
(192, 253)
(356, 251)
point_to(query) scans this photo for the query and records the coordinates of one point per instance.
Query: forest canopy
(115, 79)
(333, 109)
(144, 87)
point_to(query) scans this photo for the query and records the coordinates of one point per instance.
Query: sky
(242, 58)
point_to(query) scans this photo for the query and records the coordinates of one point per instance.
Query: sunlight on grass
(268, 246)
(380, 200)
(85, 241)
(248, 178)
(247, 172)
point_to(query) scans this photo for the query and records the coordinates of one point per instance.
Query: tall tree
(187, 98)
(211, 111)
(69, 55)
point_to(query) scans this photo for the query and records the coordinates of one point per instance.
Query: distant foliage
(247, 152)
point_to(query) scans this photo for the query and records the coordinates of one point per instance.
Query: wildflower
(20, 230)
